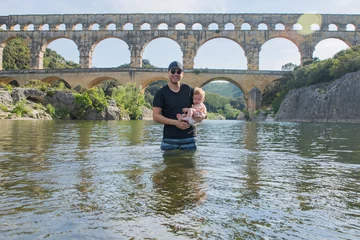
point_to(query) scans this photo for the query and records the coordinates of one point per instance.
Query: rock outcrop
(336, 102)
(33, 103)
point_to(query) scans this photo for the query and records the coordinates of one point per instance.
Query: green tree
(16, 55)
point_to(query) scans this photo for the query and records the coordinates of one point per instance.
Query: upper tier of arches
(118, 22)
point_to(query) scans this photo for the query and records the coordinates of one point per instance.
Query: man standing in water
(169, 101)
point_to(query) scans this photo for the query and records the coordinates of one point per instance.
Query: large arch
(227, 54)
(327, 48)
(162, 51)
(277, 52)
(110, 47)
(66, 47)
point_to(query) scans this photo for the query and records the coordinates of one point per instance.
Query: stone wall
(336, 102)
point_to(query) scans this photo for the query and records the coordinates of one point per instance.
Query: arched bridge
(252, 83)
(190, 31)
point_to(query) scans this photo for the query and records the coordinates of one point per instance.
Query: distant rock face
(337, 102)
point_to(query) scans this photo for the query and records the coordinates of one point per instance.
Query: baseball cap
(175, 64)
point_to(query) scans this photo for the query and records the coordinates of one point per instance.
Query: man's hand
(182, 125)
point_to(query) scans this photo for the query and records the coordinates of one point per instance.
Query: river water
(247, 180)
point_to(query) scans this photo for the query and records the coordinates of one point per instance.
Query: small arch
(163, 26)
(297, 27)
(315, 27)
(95, 27)
(180, 26)
(332, 27)
(197, 26)
(45, 27)
(111, 26)
(263, 26)
(14, 83)
(229, 26)
(128, 26)
(77, 27)
(145, 26)
(61, 27)
(280, 27)
(3, 27)
(245, 26)
(29, 27)
(350, 27)
(213, 26)
(15, 27)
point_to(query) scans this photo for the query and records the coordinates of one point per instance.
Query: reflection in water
(178, 184)
(109, 180)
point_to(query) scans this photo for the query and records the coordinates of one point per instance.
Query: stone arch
(242, 60)
(110, 26)
(163, 26)
(327, 47)
(3, 27)
(315, 27)
(229, 26)
(94, 26)
(53, 79)
(263, 26)
(6, 80)
(128, 26)
(61, 27)
(77, 27)
(45, 45)
(15, 27)
(180, 26)
(350, 27)
(29, 27)
(230, 80)
(333, 27)
(196, 26)
(297, 27)
(144, 83)
(245, 26)
(122, 49)
(282, 46)
(145, 26)
(44, 27)
(163, 44)
(280, 26)
(98, 80)
(213, 26)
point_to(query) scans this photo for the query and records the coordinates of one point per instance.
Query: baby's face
(197, 98)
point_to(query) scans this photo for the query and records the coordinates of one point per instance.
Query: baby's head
(199, 96)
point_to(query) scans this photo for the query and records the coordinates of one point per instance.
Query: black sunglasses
(173, 71)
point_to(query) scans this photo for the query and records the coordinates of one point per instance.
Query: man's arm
(158, 117)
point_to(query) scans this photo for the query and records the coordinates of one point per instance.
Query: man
(169, 101)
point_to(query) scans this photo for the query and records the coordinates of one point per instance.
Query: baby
(197, 112)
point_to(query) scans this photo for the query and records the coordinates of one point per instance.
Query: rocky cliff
(336, 102)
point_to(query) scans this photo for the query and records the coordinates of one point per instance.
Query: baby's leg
(181, 116)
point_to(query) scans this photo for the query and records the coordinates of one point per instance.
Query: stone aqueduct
(190, 31)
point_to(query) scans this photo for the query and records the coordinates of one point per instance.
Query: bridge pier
(253, 101)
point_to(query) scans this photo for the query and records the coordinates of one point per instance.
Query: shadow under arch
(146, 82)
(7, 80)
(98, 80)
(54, 79)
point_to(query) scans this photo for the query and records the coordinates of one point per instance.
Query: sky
(218, 54)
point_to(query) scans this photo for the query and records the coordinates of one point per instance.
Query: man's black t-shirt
(172, 103)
